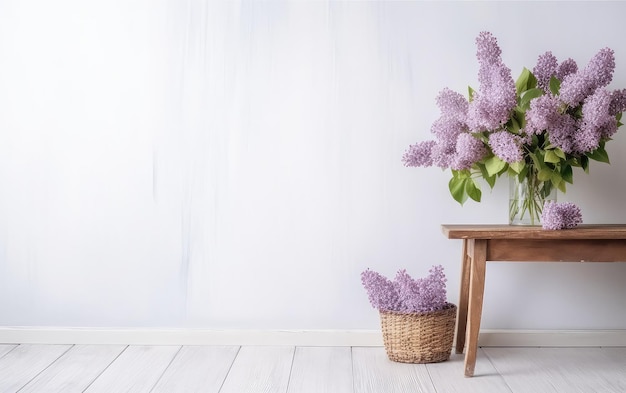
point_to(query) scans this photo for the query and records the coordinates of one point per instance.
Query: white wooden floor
(174, 369)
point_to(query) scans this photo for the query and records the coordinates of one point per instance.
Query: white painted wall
(237, 164)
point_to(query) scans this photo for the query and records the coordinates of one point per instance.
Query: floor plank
(197, 369)
(272, 369)
(373, 372)
(6, 348)
(449, 377)
(571, 370)
(75, 370)
(23, 363)
(260, 370)
(136, 370)
(321, 370)
(616, 367)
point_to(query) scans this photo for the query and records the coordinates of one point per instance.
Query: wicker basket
(419, 337)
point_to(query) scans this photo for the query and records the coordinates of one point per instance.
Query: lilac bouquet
(557, 216)
(405, 294)
(536, 128)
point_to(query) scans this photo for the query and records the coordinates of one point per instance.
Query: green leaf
(525, 81)
(470, 92)
(523, 173)
(457, 189)
(491, 180)
(551, 157)
(494, 165)
(536, 160)
(472, 189)
(528, 96)
(544, 174)
(513, 125)
(522, 81)
(555, 85)
(559, 153)
(517, 166)
(555, 178)
(584, 163)
(520, 116)
(532, 81)
(599, 155)
(567, 174)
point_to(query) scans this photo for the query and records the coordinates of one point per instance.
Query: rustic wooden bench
(493, 243)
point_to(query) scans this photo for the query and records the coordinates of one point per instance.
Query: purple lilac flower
(618, 102)
(506, 146)
(574, 89)
(433, 293)
(545, 69)
(596, 108)
(408, 291)
(567, 67)
(382, 293)
(443, 154)
(469, 150)
(406, 294)
(492, 103)
(422, 294)
(561, 133)
(563, 215)
(587, 138)
(598, 73)
(419, 154)
(596, 122)
(609, 128)
(452, 105)
(600, 68)
(447, 129)
(543, 114)
(487, 49)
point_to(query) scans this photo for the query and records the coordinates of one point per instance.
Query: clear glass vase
(527, 197)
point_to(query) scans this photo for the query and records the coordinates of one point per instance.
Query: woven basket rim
(445, 309)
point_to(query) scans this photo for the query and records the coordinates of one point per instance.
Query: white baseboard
(488, 338)
(30, 335)
(552, 338)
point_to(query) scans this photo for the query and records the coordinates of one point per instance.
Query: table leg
(461, 320)
(478, 255)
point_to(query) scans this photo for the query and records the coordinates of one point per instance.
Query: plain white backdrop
(236, 165)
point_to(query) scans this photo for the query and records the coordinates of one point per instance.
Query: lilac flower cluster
(406, 294)
(468, 150)
(564, 215)
(489, 109)
(492, 105)
(567, 67)
(557, 115)
(557, 109)
(596, 75)
(507, 146)
(419, 154)
(382, 293)
(546, 68)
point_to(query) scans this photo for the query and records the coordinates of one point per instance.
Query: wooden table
(482, 243)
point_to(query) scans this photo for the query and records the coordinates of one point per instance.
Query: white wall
(237, 164)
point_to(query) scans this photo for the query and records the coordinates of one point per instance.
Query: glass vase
(527, 197)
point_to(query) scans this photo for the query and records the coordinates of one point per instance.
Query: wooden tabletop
(588, 231)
